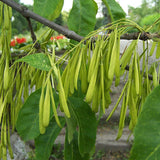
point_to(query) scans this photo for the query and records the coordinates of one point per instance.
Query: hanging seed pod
(102, 87)
(96, 97)
(4, 132)
(155, 77)
(93, 59)
(158, 50)
(117, 66)
(4, 152)
(122, 117)
(54, 107)
(125, 59)
(78, 68)
(8, 139)
(153, 48)
(91, 87)
(6, 75)
(119, 99)
(72, 69)
(63, 100)
(46, 108)
(133, 109)
(113, 58)
(41, 108)
(6, 17)
(83, 74)
(136, 74)
(3, 105)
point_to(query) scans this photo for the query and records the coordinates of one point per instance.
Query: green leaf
(82, 17)
(71, 151)
(114, 9)
(71, 125)
(27, 123)
(39, 61)
(45, 142)
(49, 9)
(28, 118)
(87, 124)
(146, 144)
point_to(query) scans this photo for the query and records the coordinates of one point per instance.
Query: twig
(37, 45)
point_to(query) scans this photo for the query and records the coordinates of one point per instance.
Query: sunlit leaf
(82, 17)
(38, 60)
(49, 9)
(114, 9)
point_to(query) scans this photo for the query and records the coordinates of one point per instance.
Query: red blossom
(52, 38)
(57, 38)
(21, 40)
(13, 43)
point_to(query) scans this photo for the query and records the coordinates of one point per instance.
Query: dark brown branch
(27, 13)
(37, 45)
(144, 36)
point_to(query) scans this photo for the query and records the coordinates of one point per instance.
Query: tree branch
(66, 32)
(144, 36)
(27, 13)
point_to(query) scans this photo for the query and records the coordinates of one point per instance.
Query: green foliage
(114, 10)
(39, 61)
(80, 145)
(72, 150)
(146, 144)
(87, 124)
(82, 17)
(19, 23)
(29, 115)
(145, 14)
(147, 21)
(98, 71)
(44, 142)
(83, 140)
(49, 9)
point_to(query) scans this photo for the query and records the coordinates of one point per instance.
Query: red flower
(20, 40)
(59, 37)
(13, 43)
(52, 38)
